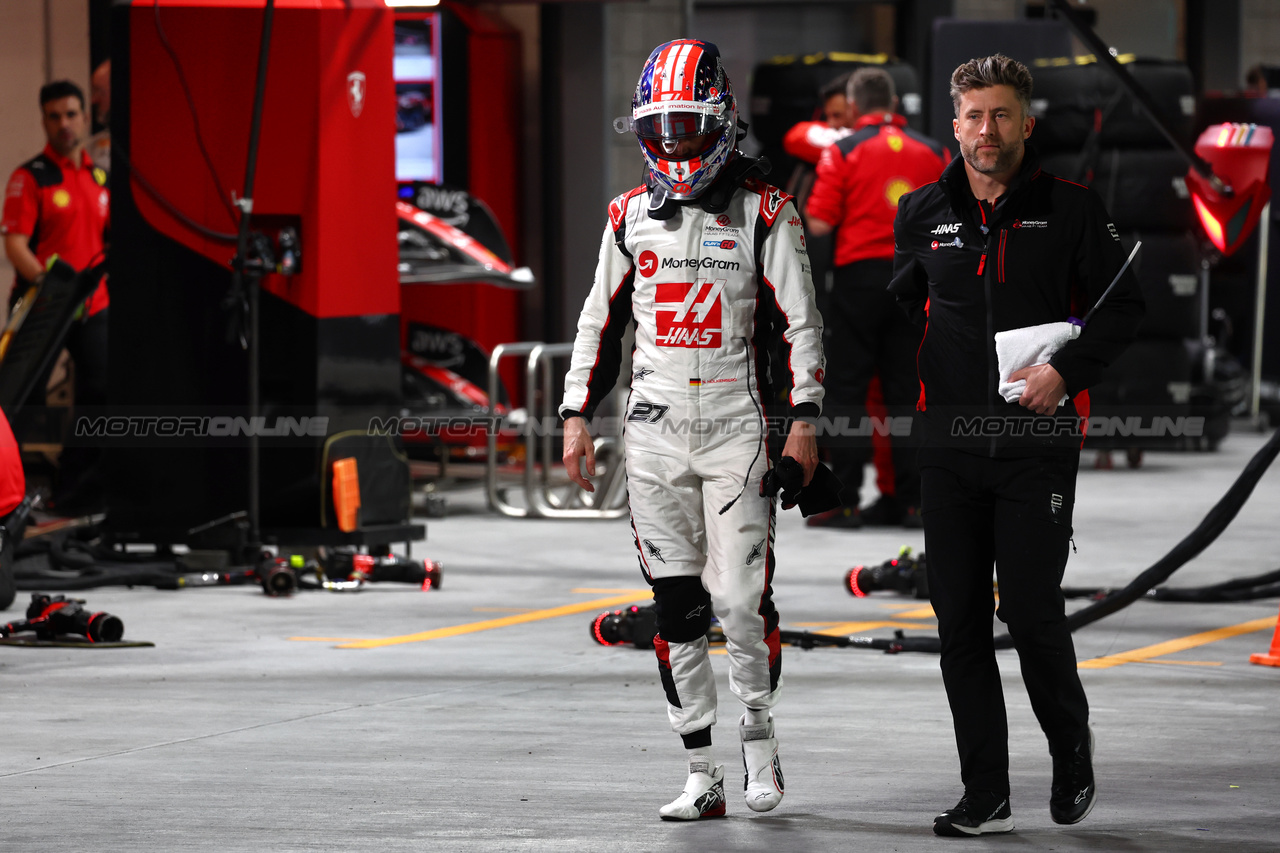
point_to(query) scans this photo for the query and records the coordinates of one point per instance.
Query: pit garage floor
(497, 724)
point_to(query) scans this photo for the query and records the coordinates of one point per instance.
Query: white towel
(1019, 348)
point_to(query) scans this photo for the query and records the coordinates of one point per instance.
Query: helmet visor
(682, 147)
(677, 124)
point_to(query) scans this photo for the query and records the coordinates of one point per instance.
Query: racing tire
(1066, 102)
(1150, 383)
(1143, 189)
(1168, 270)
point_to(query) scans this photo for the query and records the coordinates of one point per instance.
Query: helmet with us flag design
(684, 115)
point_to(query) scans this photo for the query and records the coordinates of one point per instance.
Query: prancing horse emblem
(355, 92)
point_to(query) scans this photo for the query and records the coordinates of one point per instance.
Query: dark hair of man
(995, 70)
(835, 87)
(59, 89)
(871, 90)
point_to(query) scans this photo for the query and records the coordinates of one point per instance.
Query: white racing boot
(763, 781)
(703, 794)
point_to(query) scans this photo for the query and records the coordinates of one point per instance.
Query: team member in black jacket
(998, 244)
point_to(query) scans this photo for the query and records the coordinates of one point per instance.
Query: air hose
(1208, 530)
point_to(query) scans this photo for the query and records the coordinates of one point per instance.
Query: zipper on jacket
(992, 373)
(1004, 233)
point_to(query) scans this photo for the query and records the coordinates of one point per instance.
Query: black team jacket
(1044, 253)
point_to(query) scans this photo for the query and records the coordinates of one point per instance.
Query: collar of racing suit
(717, 196)
(960, 194)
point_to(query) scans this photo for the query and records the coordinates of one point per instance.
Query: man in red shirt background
(808, 139)
(57, 204)
(860, 179)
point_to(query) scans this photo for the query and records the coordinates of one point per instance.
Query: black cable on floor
(1208, 530)
(1241, 589)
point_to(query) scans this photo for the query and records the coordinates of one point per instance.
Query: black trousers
(1015, 514)
(865, 333)
(80, 466)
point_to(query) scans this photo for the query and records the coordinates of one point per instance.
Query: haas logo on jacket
(688, 314)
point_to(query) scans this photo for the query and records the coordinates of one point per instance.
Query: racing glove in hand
(787, 477)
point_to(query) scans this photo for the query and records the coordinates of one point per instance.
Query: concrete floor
(234, 734)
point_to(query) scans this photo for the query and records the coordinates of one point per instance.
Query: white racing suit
(710, 293)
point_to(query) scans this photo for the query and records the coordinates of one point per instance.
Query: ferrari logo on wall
(355, 92)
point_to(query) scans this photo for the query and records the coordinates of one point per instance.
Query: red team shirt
(62, 209)
(862, 176)
(808, 139)
(13, 484)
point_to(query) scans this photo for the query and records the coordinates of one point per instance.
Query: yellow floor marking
(1183, 662)
(901, 611)
(845, 628)
(829, 624)
(518, 619)
(328, 639)
(595, 591)
(925, 612)
(1169, 647)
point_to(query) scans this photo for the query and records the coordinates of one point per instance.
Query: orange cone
(1271, 658)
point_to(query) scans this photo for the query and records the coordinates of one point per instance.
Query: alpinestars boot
(703, 794)
(763, 779)
(1074, 791)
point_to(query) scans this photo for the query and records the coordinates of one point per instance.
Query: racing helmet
(685, 117)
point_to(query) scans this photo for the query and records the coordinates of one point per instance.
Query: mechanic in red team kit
(710, 265)
(57, 204)
(999, 247)
(807, 140)
(860, 179)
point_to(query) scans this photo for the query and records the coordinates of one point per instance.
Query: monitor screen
(416, 68)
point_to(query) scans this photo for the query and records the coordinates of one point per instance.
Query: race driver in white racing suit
(710, 265)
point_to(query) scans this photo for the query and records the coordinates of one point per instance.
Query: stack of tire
(784, 92)
(1089, 130)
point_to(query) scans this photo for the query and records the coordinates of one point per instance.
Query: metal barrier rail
(608, 501)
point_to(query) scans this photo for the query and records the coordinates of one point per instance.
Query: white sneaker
(703, 795)
(763, 779)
